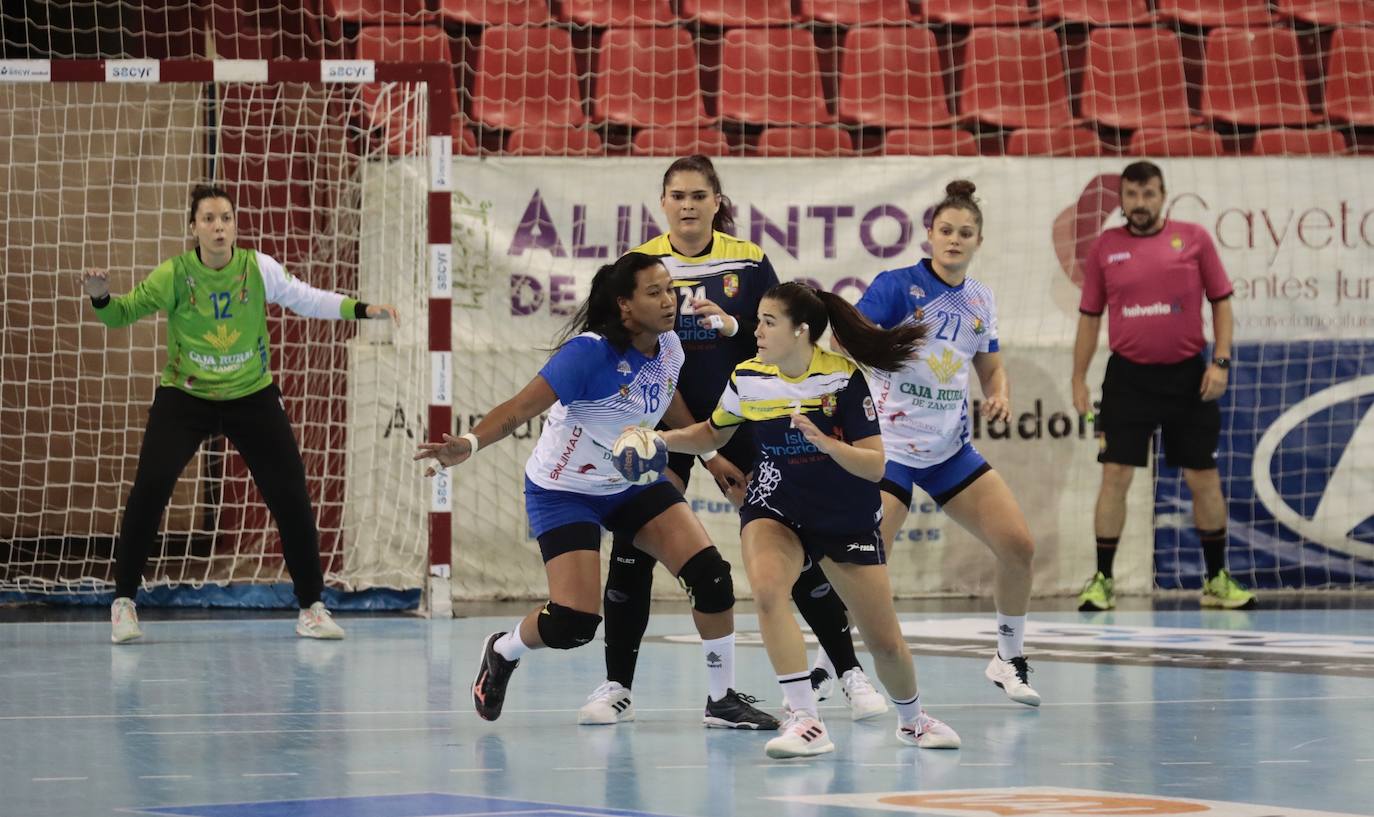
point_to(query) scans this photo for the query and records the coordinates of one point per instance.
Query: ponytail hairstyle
(870, 345)
(725, 217)
(959, 196)
(600, 313)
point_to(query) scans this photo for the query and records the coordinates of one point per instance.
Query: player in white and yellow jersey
(813, 495)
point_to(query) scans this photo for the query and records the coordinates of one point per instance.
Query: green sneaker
(1097, 595)
(1225, 592)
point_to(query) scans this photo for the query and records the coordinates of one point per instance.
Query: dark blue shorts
(564, 521)
(861, 547)
(942, 482)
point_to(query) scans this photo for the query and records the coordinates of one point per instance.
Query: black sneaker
(489, 688)
(735, 711)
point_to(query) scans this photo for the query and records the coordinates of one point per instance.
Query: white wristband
(708, 456)
(472, 441)
(734, 324)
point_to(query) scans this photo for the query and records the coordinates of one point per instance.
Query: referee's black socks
(1106, 553)
(1213, 550)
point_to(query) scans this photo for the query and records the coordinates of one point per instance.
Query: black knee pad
(706, 578)
(563, 628)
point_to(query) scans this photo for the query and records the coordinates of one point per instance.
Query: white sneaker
(822, 683)
(803, 735)
(1011, 675)
(316, 622)
(124, 621)
(608, 703)
(928, 733)
(864, 701)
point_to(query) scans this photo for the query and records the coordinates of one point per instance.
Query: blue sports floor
(1269, 712)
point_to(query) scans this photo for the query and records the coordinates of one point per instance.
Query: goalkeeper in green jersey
(218, 380)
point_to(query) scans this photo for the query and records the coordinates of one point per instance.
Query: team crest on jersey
(1176, 243)
(919, 314)
(624, 391)
(623, 368)
(731, 285)
(916, 292)
(828, 404)
(978, 326)
(870, 412)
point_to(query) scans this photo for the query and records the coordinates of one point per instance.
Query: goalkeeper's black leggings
(257, 426)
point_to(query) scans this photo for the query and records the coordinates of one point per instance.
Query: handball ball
(639, 455)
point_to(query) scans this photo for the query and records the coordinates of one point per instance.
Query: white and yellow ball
(639, 455)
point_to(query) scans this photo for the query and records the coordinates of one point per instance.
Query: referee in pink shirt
(1150, 277)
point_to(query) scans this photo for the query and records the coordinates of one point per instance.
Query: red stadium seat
(1254, 77)
(769, 76)
(1350, 76)
(603, 13)
(1166, 142)
(525, 76)
(1014, 78)
(1328, 12)
(393, 12)
(1068, 141)
(856, 12)
(1299, 142)
(1210, 13)
(647, 77)
(891, 77)
(1134, 79)
(1096, 12)
(402, 44)
(495, 12)
(804, 142)
(553, 141)
(938, 142)
(679, 142)
(977, 12)
(733, 13)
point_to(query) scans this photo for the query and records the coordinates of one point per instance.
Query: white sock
(720, 665)
(1011, 633)
(509, 646)
(908, 712)
(797, 691)
(823, 662)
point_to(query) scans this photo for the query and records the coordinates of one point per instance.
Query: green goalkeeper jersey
(217, 341)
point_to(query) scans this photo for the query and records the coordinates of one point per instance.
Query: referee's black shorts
(1137, 398)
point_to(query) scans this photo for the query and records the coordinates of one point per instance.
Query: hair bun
(960, 188)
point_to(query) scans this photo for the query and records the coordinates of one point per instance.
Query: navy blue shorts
(863, 547)
(565, 521)
(942, 482)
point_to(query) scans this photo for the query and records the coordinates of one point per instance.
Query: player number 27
(949, 325)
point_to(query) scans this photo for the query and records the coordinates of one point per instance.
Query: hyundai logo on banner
(1345, 497)
(1297, 466)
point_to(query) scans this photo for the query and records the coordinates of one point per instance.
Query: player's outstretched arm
(499, 423)
(688, 437)
(152, 294)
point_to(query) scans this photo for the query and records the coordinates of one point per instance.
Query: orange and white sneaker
(803, 735)
(928, 733)
(316, 622)
(124, 621)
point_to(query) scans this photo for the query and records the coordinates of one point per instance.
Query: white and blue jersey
(600, 391)
(923, 407)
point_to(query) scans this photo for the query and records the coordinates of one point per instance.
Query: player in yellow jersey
(720, 280)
